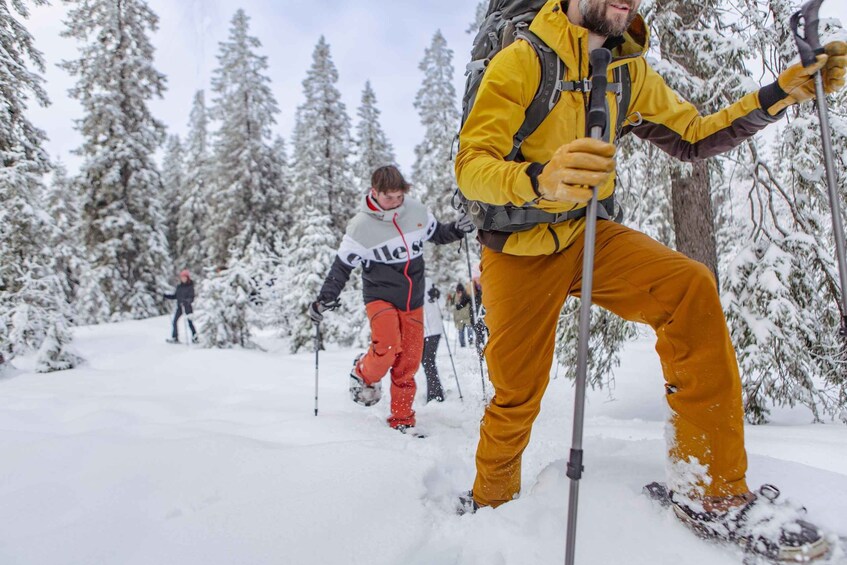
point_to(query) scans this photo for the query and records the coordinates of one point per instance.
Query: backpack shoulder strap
(622, 77)
(552, 72)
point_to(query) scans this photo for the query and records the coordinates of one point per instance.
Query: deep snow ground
(156, 453)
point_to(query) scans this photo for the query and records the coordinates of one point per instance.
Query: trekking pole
(810, 47)
(450, 353)
(317, 350)
(596, 123)
(476, 340)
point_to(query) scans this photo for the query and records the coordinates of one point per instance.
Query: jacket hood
(570, 41)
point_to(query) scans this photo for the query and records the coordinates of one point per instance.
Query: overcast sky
(380, 40)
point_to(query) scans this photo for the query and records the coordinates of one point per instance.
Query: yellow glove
(575, 167)
(797, 81)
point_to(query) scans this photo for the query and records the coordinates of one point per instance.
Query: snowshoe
(466, 504)
(361, 393)
(172, 340)
(195, 339)
(409, 431)
(760, 526)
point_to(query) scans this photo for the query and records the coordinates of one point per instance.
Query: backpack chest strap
(584, 85)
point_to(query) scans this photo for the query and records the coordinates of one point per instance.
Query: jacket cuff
(532, 171)
(770, 95)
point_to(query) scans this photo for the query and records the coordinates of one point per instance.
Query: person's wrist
(773, 99)
(532, 171)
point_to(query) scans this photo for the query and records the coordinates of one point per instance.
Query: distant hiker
(433, 326)
(184, 296)
(479, 329)
(462, 314)
(530, 267)
(387, 238)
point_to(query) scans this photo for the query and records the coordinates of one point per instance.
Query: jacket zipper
(408, 262)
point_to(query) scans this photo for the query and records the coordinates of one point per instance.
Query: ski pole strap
(808, 44)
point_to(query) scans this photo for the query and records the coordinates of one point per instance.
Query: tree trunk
(693, 219)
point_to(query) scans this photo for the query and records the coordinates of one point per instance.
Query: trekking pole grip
(597, 121)
(808, 44)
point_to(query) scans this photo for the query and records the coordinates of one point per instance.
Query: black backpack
(505, 21)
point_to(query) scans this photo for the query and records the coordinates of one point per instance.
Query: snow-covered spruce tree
(607, 337)
(782, 298)
(229, 301)
(62, 206)
(39, 320)
(373, 150)
(31, 294)
(173, 185)
(247, 198)
(56, 352)
(323, 189)
(432, 173)
(643, 189)
(322, 146)
(280, 152)
(194, 220)
(479, 17)
(280, 176)
(122, 212)
(701, 59)
(275, 311)
(307, 260)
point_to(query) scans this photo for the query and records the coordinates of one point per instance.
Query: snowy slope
(155, 453)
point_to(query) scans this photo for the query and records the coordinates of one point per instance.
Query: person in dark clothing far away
(386, 237)
(433, 327)
(463, 314)
(184, 296)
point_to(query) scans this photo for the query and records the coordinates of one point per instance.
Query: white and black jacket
(388, 244)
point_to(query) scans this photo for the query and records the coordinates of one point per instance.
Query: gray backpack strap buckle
(584, 86)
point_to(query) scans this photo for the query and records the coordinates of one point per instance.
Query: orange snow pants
(640, 280)
(396, 344)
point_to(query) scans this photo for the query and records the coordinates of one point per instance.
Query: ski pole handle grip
(598, 118)
(808, 44)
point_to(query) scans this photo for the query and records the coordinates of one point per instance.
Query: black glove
(434, 294)
(464, 224)
(318, 307)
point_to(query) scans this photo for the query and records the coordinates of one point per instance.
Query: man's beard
(594, 18)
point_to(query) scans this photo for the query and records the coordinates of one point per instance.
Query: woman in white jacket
(432, 335)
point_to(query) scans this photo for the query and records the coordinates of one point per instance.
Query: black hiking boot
(760, 525)
(409, 431)
(466, 504)
(361, 393)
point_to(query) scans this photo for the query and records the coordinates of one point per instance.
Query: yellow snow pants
(640, 280)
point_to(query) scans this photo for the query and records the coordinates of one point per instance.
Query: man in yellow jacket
(528, 274)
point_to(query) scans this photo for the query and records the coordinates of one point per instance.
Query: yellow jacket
(509, 85)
